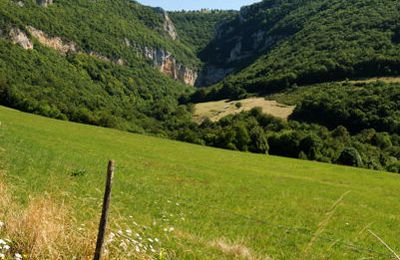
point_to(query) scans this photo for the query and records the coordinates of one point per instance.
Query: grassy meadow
(173, 200)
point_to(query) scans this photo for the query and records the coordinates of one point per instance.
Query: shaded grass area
(195, 199)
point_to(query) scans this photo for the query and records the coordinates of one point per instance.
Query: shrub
(350, 157)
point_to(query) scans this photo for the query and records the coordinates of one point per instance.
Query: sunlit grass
(200, 202)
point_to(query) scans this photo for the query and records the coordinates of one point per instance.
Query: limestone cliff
(168, 65)
(52, 42)
(236, 44)
(44, 3)
(19, 37)
(169, 27)
(162, 60)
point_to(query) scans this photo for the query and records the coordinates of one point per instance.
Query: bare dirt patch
(216, 110)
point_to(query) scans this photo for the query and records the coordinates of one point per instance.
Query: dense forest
(197, 28)
(275, 44)
(347, 123)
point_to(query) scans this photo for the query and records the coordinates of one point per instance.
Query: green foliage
(259, 133)
(196, 29)
(100, 26)
(315, 40)
(84, 89)
(307, 41)
(271, 205)
(356, 107)
(351, 157)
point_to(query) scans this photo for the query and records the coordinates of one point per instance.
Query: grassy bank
(199, 202)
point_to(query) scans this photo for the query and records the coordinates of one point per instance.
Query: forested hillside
(123, 65)
(197, 28)
(275, 44)
(104, 63)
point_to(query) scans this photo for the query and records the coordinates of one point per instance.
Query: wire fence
(308, 231)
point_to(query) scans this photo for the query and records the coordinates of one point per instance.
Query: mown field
(197, 202)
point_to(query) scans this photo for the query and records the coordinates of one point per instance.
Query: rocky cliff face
(19, 37)
(162, 60)
(236, 45)
(169, 27)
(168, 65)
(210, 75)
(44, 3)
(52, 42)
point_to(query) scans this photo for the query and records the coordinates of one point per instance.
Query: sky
(197, 4)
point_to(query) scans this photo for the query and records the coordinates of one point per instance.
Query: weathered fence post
(104, 213)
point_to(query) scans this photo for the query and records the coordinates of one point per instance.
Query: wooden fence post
(104, 213)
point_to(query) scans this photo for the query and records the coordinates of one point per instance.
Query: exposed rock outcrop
(52, 42)
(168, 65)
(44, 3)
(165, 62)
(161, 59)
(210, 75)
(20, 4)
(242, 51)
(65, 47)
(169, 27)
(19, 37)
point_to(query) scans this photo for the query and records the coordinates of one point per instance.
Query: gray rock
(44, 3)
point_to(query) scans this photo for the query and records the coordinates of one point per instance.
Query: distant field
(383, 79)
(200, 202)
(216, 110)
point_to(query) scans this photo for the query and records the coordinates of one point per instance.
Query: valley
(269, 132)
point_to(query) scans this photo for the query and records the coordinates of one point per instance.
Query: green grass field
(200, 202)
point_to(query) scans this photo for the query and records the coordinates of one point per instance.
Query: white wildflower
(129, 232)
(171, 229)
(2, 242)
(123, 245)
(157, 240)
(120, 232)
(150, 240)
(2, 256)
(18, 256)
(137, 249)
(1, 224)
(6, 247)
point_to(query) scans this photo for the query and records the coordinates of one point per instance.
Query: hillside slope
(101, 62)
(274, 44)
(255, 206)
(197, 28)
